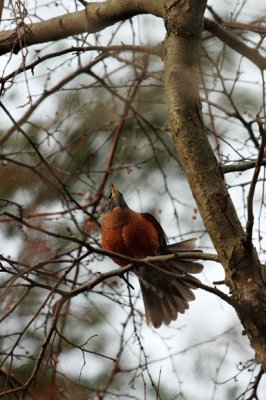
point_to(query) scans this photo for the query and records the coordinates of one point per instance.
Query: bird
(139, 235)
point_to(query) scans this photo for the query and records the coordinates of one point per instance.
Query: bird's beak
(114, 191)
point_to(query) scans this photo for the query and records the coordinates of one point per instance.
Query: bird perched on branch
(139, 235)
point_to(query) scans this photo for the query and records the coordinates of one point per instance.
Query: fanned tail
(164, 296)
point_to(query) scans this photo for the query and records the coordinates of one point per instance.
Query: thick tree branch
(94, 18)
(182, 49)
(243, 271)
(98, 16)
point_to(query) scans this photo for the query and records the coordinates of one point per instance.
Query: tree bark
(184, 23)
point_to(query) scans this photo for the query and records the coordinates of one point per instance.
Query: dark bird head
(116, 199)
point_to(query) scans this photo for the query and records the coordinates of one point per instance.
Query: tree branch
(98, 16)
(94, 18)
(235, 44)
(241, 263)
(240, 166)
(111, 51)
(250, 219)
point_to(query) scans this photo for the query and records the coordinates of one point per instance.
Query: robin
(139, 235)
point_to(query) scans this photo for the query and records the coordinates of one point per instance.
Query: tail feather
(180, 304)
(185, 291)
(153, 308)
(162, 311)
(186, 245)
(183, 266)
(163, 296)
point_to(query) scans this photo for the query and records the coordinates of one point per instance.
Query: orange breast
(129, 233)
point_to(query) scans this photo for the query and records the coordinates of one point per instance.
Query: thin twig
(250, 216)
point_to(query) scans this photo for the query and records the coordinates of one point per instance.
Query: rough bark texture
(184, 21)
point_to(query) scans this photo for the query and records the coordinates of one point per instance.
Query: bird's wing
(161, 234)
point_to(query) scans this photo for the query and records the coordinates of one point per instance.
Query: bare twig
(255, 386)
(250, 216)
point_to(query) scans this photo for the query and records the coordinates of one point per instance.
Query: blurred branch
(60, 185)
(245, 26)
(191, 346)
(231, 41)
(46, 342)
(108, 51)
(84, 3)
(254, 395)
(236, 113)
(236, 25)
(117, 131)
(250, 216)
(82, 347)
(46, 94)
(12, 381)
(41, 354)
(1, 9)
